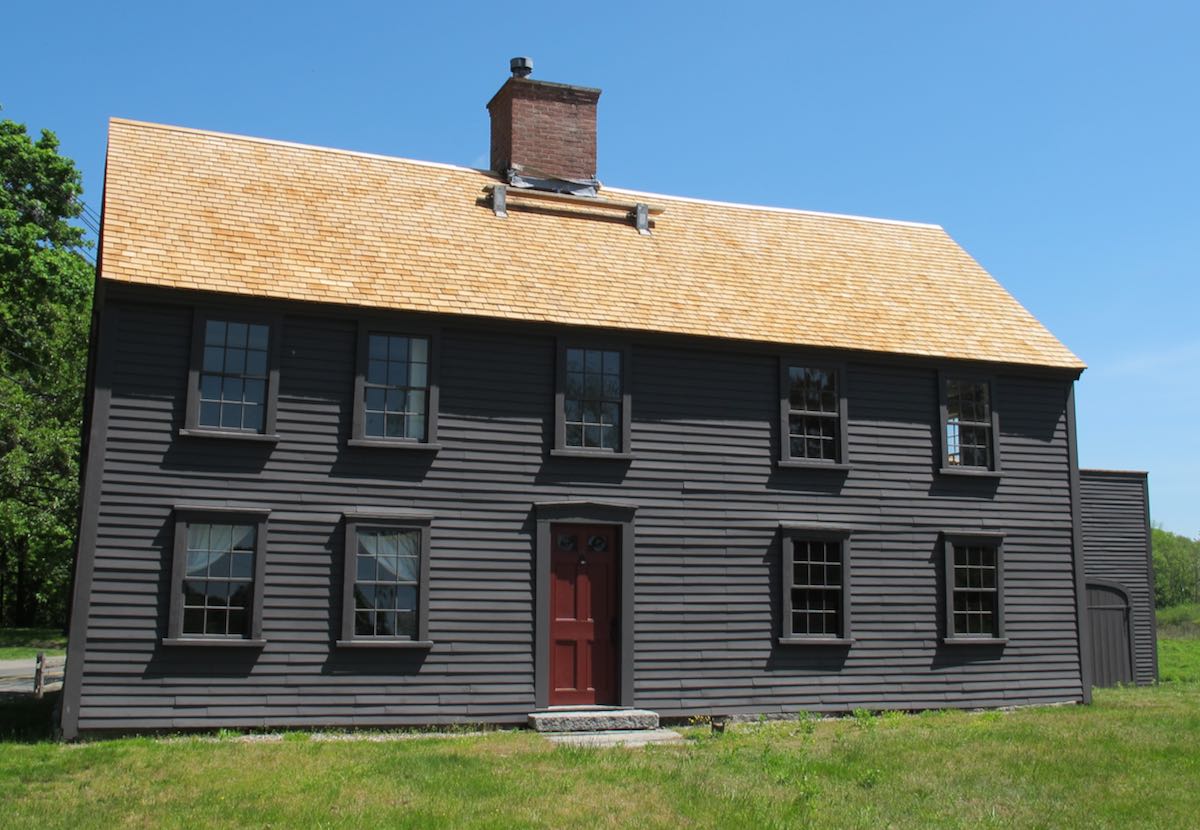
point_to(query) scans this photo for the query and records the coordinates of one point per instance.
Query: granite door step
(615, 737)
(592, 719)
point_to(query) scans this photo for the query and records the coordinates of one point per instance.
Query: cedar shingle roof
(200, 210)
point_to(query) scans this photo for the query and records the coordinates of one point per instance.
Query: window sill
(261, 438)
(970, 472)
(797, 464)
(599, 455)
(816, 641)
(384, 643)
(213, 642)
(384, 444)
(974, 641)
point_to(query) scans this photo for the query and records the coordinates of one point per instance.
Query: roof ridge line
(773, 208)
(297, 145)
(461, 168)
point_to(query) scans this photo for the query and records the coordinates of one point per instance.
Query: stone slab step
(592, 720)
(616, 737)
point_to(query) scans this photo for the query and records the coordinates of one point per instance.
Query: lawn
(23, 643)
(1132, 758)
(1179, 643)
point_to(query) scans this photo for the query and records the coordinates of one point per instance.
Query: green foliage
(1176, 568)
(45, 297)
(1179, 621)
(25, 643)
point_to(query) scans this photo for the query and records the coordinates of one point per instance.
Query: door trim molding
(582, 512)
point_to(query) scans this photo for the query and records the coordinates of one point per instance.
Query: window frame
(994, 470)
(405, 520)
(786, 459)
(560, 448)
(200, 318)
(186, 515)
(358, 438)
(972, 538)
(790, 534)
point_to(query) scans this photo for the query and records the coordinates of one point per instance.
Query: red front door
(583, 615)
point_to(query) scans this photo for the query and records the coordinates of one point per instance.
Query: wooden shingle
(198, 210)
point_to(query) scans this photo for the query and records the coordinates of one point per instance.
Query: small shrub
(864, 718)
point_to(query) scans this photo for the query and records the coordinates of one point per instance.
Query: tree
(1176, 568)
(45, 309)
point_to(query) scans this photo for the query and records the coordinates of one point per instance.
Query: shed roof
(199, 210)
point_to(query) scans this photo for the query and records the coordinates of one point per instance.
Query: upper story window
(816, 585)
(969, 424)
(974, 587)
(395, 389)
(593, 401)
(385, 593)
(812, 414)
(218, 574)
(232, 380)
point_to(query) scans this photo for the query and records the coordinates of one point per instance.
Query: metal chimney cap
(521, 67)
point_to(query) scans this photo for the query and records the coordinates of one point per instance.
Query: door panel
(1108, 615)
(583, 614)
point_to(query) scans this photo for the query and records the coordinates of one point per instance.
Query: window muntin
(387, 582)
(969, 438)
(975, 590)
(593, 399)
(395, 389)
(816, 588)
(217, 576)
(816, 585)
(218, 584)
(234, 376)
(814, 414)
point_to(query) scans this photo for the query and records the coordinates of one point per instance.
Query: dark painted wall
(1116, 547)
(707, 563)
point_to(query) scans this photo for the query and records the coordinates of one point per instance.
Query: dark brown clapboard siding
(1116, 548)
(707, 571)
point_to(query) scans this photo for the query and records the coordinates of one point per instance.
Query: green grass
(1179, 660)
(1179, 621)
(1179, 644)
(25, 643)
(1129, 759)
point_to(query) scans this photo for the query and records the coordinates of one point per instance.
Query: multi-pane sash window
(974, 587)
(592, 399)
(219, 579)
(396, 387)
(969, 429)
(975, 590)
(816, 587)
(814, 415)
(387, 582)
(234, 375)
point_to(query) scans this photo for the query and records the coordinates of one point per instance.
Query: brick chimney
(542, 130)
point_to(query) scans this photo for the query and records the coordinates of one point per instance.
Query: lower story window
(385, 595)
(975, 598)
(219, 580)
(217, 592)
(816, 584)
(386, 582)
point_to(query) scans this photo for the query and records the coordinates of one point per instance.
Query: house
(376, 442)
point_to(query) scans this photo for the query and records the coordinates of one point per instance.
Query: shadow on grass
(24, 719)
(45, 639)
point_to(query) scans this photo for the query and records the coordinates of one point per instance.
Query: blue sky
(1058, 143)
